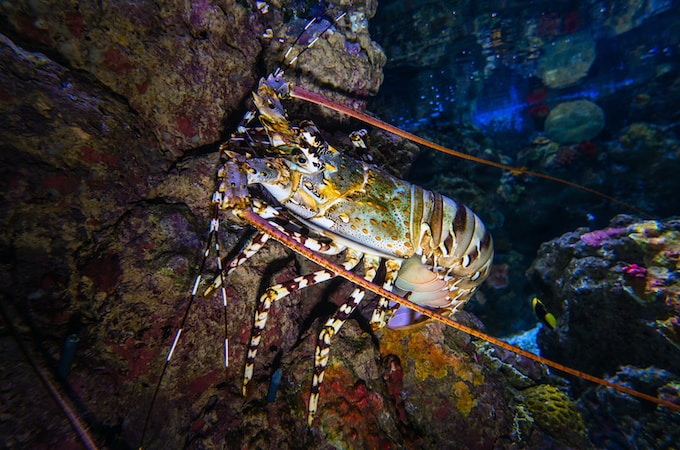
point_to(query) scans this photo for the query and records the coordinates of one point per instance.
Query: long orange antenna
(262, 225)
(303, 94)
(61, 400)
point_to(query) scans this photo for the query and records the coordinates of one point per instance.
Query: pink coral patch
(116, 61)
(185, 127)
(635, 271)
(91, 155)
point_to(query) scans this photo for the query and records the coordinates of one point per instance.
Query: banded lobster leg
(330, 329)
(332, 325)
(277, 292)
(383, 311)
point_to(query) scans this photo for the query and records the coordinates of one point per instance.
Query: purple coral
(597, 237)
(634, 271)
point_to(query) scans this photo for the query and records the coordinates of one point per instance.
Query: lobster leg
(258, 241)
(275, 219)
(277, 292)
(383, 311)
(251, 246)
(359, 140)
(330, 329)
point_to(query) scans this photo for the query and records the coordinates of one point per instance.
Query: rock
(110, 112)
(615, 294)
(630, 423)
(567, 60)
(574, 122)
(595, 278)
(182, 67)
(345, 67)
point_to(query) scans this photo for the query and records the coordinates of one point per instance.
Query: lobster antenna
(212, 235)
(62, 401)
(192, 297)
(279, 70)
(292, 46)
(214, 228)
(303, 94)
(264, 226)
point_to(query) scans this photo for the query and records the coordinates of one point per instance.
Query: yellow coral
(554, 412)
(433, 360)
(662, 260)
(464, 400)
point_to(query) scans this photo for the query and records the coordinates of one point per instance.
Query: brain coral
(554, 412)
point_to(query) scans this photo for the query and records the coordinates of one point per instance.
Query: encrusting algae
(424, 351)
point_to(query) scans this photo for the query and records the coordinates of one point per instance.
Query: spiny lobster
(433, 247)
(435, 250)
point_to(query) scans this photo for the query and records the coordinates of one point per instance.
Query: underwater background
(112, 114)
(585, 91)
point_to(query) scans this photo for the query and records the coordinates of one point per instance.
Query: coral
(606, 280)
(445, 391)
(566, 156)
(349, 408)
(541, 149)
(431, 360)
(555, 412)
(642, 137)
(597, 237)
(573, 122)
(634, 271)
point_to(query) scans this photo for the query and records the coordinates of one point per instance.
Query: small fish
(543, 314)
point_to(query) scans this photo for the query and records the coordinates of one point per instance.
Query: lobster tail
(453, 256)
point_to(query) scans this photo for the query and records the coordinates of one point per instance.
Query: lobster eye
(302, 159)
